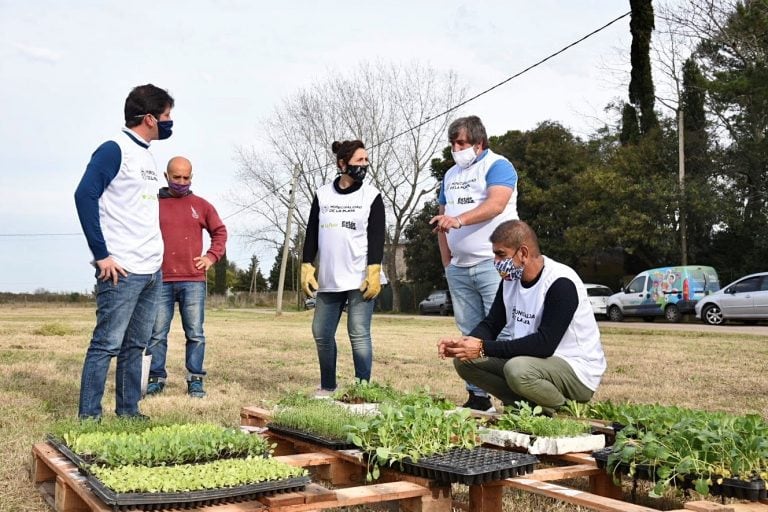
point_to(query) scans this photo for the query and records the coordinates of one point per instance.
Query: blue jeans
(124, 316)
(328, 310)
(191, 298)
(472, 292)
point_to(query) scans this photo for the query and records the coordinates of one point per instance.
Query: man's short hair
(143, 100)
(514, 233)
(473, 127)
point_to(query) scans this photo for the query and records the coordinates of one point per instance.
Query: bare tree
(399, 111)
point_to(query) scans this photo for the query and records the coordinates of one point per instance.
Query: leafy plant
(362, 391)
(162, 445)
(194, 477)
(530, 420)
(692, 446)
(411, 432)
(321, 417)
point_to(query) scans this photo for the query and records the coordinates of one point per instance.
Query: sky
(67, 67)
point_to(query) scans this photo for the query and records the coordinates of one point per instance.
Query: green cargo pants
(547, 382)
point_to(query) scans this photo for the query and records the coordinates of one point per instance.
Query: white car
(745, 299)
(598, 297)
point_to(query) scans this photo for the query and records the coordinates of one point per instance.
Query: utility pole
(253, 274)
(291, 206)
(681, 181)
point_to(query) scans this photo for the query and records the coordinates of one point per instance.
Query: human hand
(445, 347)
(308, 281)
(444, 223)
(203, 263)
(110, 269)
(465, 348)
(371, 285)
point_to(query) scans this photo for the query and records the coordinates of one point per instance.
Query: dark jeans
(191, 298)
(125, 313)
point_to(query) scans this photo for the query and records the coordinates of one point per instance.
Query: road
(660, 324)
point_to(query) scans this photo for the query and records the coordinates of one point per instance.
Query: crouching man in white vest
(555, 352)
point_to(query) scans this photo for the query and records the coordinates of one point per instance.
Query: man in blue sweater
(118, 209)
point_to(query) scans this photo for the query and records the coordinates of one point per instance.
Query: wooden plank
(243, 506)
(565, 494)
(66, 499)
(254, 416)
(485, 498)
(563, 472)
(710, 506)
(282, 499)
(40, 471)
(362, 495)
(69, 474)
(707, 506)
(317, 493)
(304, 460)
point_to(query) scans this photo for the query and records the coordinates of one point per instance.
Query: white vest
(580, 346)
(464, 189)
(129, 212)
(342, 238)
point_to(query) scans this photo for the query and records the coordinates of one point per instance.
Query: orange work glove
(372, 283)
(308, 281)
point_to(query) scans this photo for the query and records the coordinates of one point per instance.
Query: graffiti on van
(671, 284)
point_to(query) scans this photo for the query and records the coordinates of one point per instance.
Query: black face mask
(357, 172)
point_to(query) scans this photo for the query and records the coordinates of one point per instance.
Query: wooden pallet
(604, 495)
(65, 489)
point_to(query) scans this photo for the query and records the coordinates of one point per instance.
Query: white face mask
(465, 157)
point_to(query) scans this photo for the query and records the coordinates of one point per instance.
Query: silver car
(744, 299)
(598, 297)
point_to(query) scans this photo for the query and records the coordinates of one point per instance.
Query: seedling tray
(334, 444)
(642, 471)
(160, 500)
(476, 466)
(74, 458)
(751, 490)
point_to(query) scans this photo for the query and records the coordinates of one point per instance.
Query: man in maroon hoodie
(183, 217)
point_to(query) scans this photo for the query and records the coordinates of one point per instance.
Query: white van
(666, 291)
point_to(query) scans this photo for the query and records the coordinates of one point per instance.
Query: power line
(430, 119)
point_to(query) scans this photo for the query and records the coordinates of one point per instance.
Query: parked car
(667, 291)
(598, 297)
(744, 299)
(438, 301)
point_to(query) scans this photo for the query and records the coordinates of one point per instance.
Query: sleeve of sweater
(218, 232)
(101, 170)
(310, 238)
(496, 319)
(376, 228)
(560, 304)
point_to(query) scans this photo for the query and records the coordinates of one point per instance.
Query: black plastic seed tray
(334, 444)
(476, 466)
(160, 500)
(751, 490)
(77, 460)
(601, 456)
(642, 471)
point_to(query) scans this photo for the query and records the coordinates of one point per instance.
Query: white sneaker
(324, 394)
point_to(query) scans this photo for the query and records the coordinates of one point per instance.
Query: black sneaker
(479, 403)
(195, 387)
(155, 386)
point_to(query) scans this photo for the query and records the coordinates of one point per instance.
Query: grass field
(253, 357)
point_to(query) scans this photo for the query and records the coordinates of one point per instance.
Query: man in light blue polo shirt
(476, 195)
